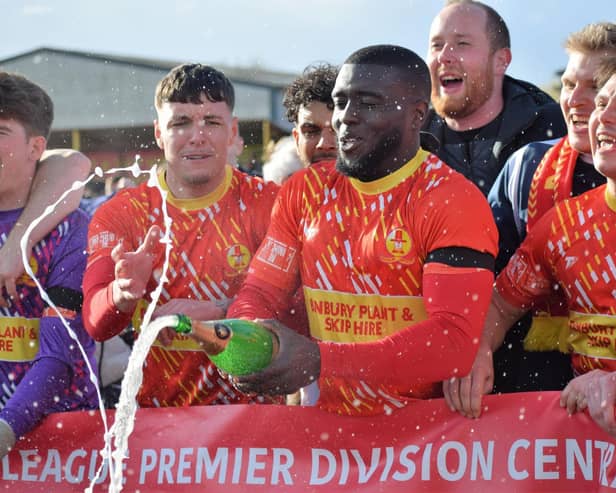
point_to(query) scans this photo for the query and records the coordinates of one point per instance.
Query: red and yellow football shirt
(214, 239)
(572, 246)
(360, 250)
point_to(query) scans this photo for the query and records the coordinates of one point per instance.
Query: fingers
(11, 288)
(151, 242)
(166, 336)
(118, 252)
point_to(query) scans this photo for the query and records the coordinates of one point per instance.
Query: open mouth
(579, 121)
(196, 157)
(451, 81)
(348, 143)
(606, 142)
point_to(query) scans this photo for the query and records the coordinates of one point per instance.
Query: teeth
(576, 119)
(606, 142)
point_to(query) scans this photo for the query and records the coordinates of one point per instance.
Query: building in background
(104, 104)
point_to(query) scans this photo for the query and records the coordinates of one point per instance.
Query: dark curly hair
(315, 84)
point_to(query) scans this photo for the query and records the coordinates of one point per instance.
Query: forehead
(582, 65)
(11, 124)
(170, 110)
(459, 20)
(315, 112)
(368, 78)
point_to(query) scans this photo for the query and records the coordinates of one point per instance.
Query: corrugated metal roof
(95, 91)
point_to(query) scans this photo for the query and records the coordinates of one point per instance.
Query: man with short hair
(548, 172)
(571, 245)
(219, 217)
(308, 101)
(41, 368)
(394, 251)
(480, 115)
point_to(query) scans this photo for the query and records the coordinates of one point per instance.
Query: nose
(446, 54)
(580, 95)
(328, 139)
(347, 115)
(608, 114)
(198, 134)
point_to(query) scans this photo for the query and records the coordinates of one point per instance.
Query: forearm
(55, 174)
(500, 318)
(101, 317)
(35, 395)
(257, 300)
(438, 348)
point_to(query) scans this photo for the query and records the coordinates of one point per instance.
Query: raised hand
(133, 270)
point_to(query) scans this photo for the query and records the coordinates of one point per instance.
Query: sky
(284, 35)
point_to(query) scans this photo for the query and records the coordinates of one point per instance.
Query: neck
(611, 187)
(586, 157)
(16, 196)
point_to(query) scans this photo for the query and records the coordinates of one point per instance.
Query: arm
(526, 278)
(56, 172)
(465, 394)
(439, 347)
(113, 283)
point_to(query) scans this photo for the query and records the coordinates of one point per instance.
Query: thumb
(151, 242)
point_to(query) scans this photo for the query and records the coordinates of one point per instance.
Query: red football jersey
(359, 249)
(572, 246)
(214, 239)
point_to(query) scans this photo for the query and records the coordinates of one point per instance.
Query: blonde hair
(593, 38)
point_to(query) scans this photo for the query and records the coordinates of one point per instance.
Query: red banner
(523, 442)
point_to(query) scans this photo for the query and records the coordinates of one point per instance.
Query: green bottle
(237, 347)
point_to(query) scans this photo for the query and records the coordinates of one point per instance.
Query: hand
(296, 364)
(7, 438)
(11, 268)
(133, 270)
(573, 397)
(464, 394)
(194, 309)
(601, 397)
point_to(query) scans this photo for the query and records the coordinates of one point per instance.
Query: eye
(340, 103)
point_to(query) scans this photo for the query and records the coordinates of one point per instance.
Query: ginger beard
(461, 97)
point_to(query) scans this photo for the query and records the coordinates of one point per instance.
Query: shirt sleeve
(273, 276)
(101, 317)
(455, 214)
(438, 348)
(528, 276)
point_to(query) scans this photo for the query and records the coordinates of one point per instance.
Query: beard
(477, 90)
(370, 166)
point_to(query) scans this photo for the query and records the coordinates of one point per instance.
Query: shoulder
(251, 186)
(528, 103)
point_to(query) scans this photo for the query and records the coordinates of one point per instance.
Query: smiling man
(572, 246)
(219, 217)
(394, 251)
(548, 172)
(480, 115)
(309, 105)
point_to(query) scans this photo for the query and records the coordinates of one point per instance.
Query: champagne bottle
(237, 347)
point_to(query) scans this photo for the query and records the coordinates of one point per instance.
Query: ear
(159, 141)
(295, 134)
(419, 114)
(502, 59)
(37, 147)
(234, 131)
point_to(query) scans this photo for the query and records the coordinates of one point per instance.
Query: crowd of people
(373, 264)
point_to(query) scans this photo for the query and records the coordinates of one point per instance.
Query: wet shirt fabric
(359, 249)
(213, 240)
(42, 369)
(572, 246)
